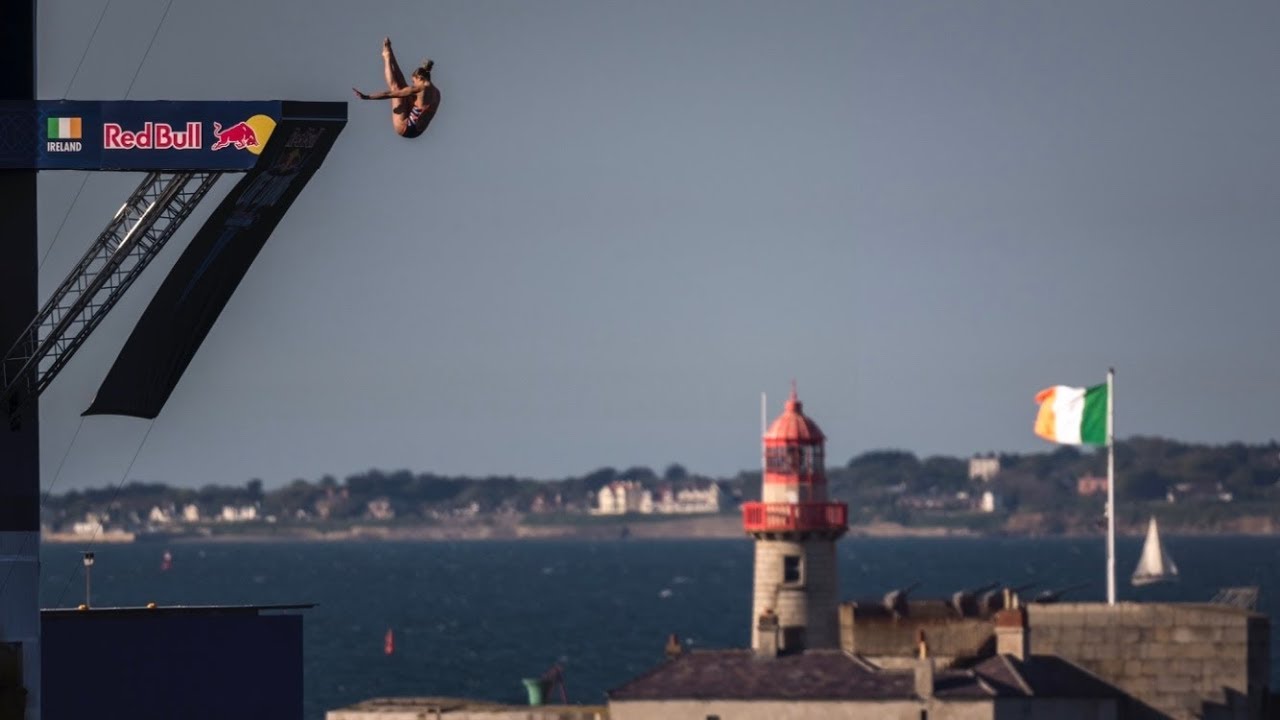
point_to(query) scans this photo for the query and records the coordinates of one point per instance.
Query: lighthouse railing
(781, 517)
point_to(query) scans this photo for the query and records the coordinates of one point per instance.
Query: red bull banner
(203, 279)
(132, 135)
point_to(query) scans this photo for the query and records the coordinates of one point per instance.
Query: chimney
(674, 647)
(767, 635)
(923, 669)
(1011, 632)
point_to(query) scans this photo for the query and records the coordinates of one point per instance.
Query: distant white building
(190, 513)
(608, 502)
(697, 500)
(988, 502)
(620, 498)
(645, 504)
(984, 468)
(159, 516)
(380, 509)
(244, 513)
(1198, 492)
(91, 525)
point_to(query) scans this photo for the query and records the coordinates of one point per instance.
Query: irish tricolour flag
(1073, 416)
(67, 128)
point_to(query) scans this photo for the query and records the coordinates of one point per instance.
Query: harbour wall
(1173, 660)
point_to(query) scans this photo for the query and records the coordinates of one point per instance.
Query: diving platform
(182, 148)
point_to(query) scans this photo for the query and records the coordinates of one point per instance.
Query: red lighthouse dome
(792, 427)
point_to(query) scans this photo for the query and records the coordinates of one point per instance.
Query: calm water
(472, 619)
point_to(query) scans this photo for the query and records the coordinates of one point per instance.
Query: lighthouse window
(776, 460)
(790, 568)
(793, 459)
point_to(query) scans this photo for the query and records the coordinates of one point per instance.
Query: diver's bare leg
(395, 78)
(395, 81)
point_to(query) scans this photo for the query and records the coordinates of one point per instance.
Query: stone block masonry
(891, 642)
(1179, 661)
(810, 602)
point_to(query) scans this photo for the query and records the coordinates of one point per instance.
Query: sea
(472, 619)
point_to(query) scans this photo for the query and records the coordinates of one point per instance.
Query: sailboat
(1155, 565)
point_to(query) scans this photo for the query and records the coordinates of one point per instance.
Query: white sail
(1155, 565)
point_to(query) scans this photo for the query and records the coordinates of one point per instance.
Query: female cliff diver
(412, 106)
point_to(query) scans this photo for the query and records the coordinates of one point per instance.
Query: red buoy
(389, 643)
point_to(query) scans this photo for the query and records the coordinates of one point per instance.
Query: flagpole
(1111, 489)
(764, 460)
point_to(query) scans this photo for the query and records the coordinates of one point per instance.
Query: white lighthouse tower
(796, 529)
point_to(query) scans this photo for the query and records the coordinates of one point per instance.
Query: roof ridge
(1026, 687)
(982, 683)
(861, 660)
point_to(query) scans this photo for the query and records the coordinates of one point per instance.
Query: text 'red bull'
(152, 136)
(240, 135)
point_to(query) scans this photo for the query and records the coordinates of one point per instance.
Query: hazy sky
(631, 218)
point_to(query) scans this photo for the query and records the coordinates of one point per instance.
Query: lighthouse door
(793, 638)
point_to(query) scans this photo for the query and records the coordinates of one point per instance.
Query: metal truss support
(121, 252)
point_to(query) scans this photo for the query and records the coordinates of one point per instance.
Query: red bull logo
(251, 134)
(152, 136)
(240, 135)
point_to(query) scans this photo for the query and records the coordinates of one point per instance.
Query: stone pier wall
(892, 642)
(1174, 660)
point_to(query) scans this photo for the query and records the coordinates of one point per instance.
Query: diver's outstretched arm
(401, 93)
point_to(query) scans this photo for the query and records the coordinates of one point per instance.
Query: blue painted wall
(165, 665)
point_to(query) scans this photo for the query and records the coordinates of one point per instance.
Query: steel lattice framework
(142, 226)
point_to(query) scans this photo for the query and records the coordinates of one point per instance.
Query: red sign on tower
(152, 136)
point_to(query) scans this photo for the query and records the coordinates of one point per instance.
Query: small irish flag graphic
(67, 128)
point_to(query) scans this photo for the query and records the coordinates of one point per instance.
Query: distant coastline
(1192, 489)
(720, 527)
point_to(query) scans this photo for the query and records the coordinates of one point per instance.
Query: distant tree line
(408, 495)
(1148, 469)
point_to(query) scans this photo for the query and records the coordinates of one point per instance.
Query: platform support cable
(151, 424)
(67, 92)
(142, 226)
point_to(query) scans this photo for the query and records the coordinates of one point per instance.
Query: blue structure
(134, 135)
(195, 663)
(20, 441)
(182, 149)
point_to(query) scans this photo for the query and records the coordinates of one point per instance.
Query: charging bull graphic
(240, 135)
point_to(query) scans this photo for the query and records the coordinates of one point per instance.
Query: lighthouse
(795, 529)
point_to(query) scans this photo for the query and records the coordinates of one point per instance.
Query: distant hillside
(1192, 487)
